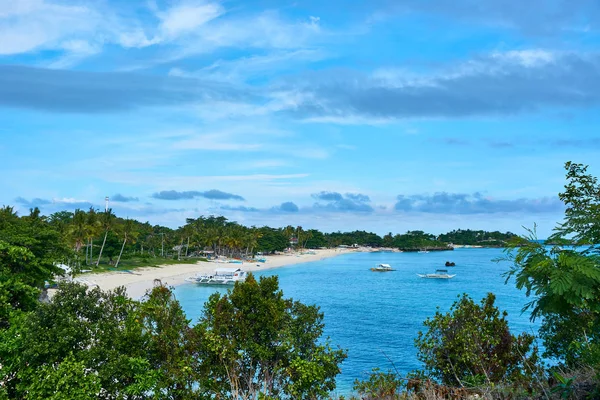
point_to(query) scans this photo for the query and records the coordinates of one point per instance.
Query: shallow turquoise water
(376, 316)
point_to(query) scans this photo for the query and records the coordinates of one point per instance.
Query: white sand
(138, 281)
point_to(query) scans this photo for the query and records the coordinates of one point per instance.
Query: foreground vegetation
(253, 343)
(93, 344)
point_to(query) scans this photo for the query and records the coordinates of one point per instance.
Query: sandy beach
(138, 281)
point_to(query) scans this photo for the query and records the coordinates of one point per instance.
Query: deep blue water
(376, 316)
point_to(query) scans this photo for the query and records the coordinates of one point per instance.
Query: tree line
(100, 237)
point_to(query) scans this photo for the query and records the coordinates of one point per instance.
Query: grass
(132, 263)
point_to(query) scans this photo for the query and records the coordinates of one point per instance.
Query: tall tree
(564, 281)
(256, 344)
(78, 231)
(92, 230)
(107, 221)
(128, 230)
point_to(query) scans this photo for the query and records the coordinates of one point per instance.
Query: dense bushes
(472, 345)
(95, 344)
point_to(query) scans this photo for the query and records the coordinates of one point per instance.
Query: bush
(380, 385)
(253, 341)
(472, 344)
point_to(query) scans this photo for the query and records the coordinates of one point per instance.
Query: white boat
(439, 274)
(382, 268)
(222, 276)
(423, 251)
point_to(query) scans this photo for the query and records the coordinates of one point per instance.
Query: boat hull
(222, 276)
(212, 281)
(435, 276)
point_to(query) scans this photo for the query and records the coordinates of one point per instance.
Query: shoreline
(138, 281)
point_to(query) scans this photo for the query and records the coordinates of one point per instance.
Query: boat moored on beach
(439, 274)
(382, 268)
(222, 276)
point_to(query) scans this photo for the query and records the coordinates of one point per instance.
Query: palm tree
(77, 231)
(107, 221)
(7, 215)
(307, 236)
(299, 233)
(188, 231)
(78, 228)
(252, 236)
(128, 232)
(92, 230)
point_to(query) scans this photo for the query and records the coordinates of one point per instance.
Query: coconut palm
(107, 220)
(129, 232)
(92, 230)
(78, 229)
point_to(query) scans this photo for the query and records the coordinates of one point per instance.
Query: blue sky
(336, 115)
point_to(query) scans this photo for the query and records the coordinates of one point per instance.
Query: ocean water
(376, 316)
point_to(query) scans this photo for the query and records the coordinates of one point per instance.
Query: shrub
(472, 344)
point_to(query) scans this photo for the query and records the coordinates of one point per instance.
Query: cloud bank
(123, 199)
(498, 84)
(192, 194)
(336, 202)
(476, 203)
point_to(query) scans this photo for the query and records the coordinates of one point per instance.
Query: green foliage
(111, 247)
(564, 387)
(255, 341)
(483, 238)
(564, 282)
(29, 249)
(582, 198)
(472, 343)
(67, 380)
(413, 240)
(379, 385)
(316, 240)
(272, 240)
(361, 238)
(172, 345)
(88, 342)
(91, 328)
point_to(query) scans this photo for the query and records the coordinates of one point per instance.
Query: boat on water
(423, 251)
(382, 268)
(222, 276)
(439, 274)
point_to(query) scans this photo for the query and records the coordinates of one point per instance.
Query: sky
(380, 115)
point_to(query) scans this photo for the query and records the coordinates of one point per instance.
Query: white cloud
(187, 17)
(189, 27)
(527, 58)
(68, 200)
(266, 30)
(30, 25)
(136, 38)
(244, 68)
(75, 51)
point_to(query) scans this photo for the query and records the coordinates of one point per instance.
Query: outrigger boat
(222, 276)
(439, 274)
(382, 268)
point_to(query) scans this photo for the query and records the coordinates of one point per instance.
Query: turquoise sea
(376, 316)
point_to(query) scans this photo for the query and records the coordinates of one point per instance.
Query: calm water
(376, 316)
